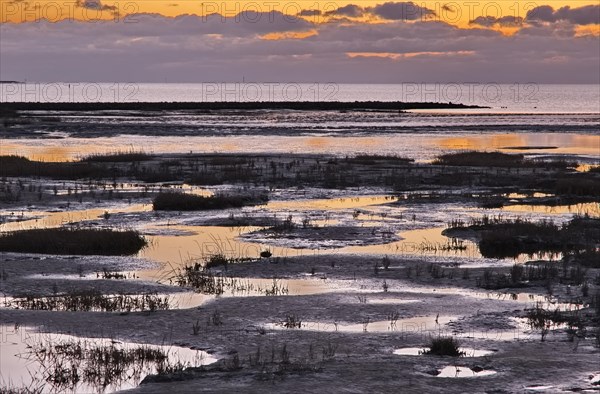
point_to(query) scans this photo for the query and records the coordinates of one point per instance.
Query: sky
(365, 41)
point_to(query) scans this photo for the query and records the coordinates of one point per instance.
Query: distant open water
(521, 98)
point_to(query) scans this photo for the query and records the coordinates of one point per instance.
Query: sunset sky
(304, 41)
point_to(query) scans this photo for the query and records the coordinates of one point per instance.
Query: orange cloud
(408, 55)
(289, 35)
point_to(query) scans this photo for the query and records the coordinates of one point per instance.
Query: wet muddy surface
(314, 286)
(58, 362)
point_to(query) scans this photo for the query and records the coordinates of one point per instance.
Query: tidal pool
(418, 351)
(64, 363)
(452, 371)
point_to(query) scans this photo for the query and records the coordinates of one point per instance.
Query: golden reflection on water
(195, 242)
(417, 146)
(44, 219)
(331, 203)
(55, 153)
(422, 242)
(317, 142)
(586, 167)
(565, 143)
(591, 209)
(177, 250)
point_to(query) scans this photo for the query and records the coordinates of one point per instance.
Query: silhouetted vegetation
(365, 159)
(72, 241)
(88, 301)
(496, 159)
(198, 276)
(20, 166)
(118, 156)
(291, 321)
(500, 238)
(172, 201)
(444, 346)
(578, 186)
(280, 171)
(589, 257)
(65, 364)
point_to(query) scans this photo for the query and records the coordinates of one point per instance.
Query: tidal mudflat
(150, 271)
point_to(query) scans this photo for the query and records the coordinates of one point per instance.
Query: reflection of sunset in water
(577, 144)
(55, 153)
(590, 208)
(331, 203)
(45, 219)
(418, 146)
(316, 142)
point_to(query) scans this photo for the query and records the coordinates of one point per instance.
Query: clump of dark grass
(106, 274)
(66, 364)
(291, 321)
(366, 159)
(453, 245)
(216, 318)
(125, 156)
(444, 346)
(196, 327)
(171, 201)
(93, 301)
(16, 166)
(200, 278)
(577, 186)
(285, 225)
(540, 319)
(276, 289)
(501, 238)
(525, 275)
(216, 260)
(33, 388)
(78, 241)
(507, 243)
(589, 257)
(480, 159)
(496, 159)
(385, 261)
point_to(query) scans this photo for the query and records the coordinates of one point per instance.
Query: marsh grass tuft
(106, 274)
(77, 241)
(67, 364)
(444, 346)
(198, 276)
(92, 301)
(125, 156)
(497, 159)
(291, 321)
(17, 166)
(540, 319)
(173, 201)
(501, 237)
(196, 328)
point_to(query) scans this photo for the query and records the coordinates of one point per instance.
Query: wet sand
(336, 283)
(365, 270)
